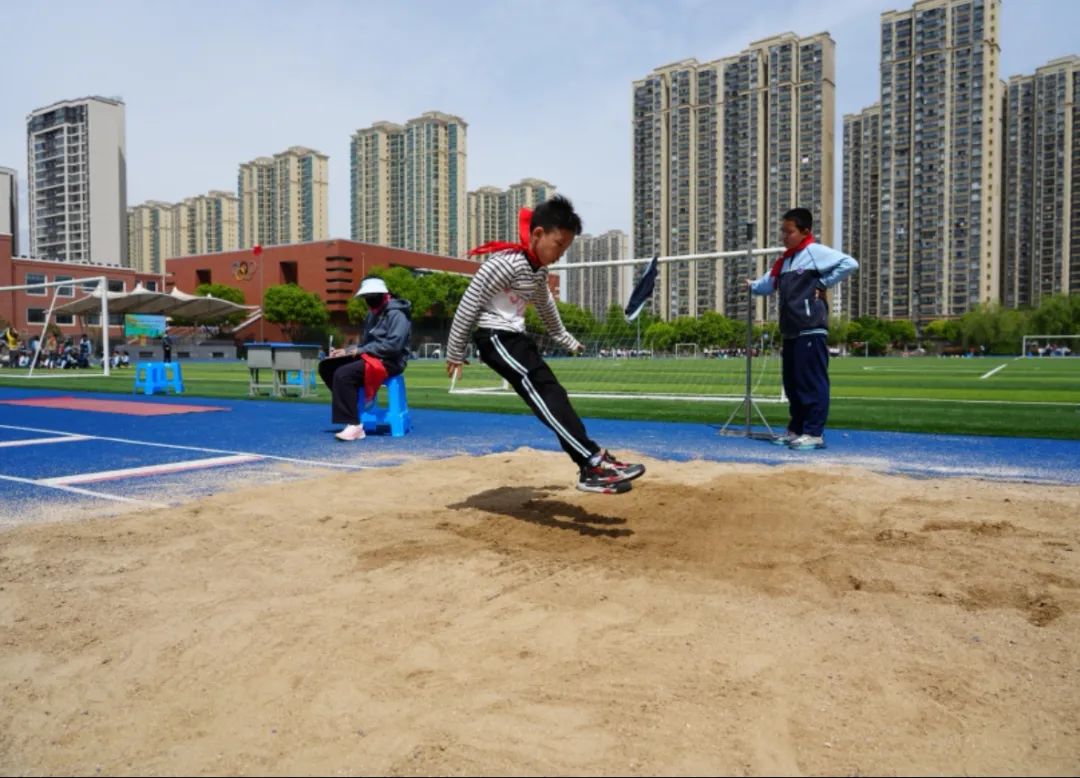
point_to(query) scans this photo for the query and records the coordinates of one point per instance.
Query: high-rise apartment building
(435, 202)
(526, 193)
(9, 207)
(150, 236)
(408, 184)
(860, 294)
(76, 166)
(486, 215)
(493, 213)
(377, 164)
(1040, 231)
(206, 224)
(941, 152)
(284, 199)
(727, 146)
(598, 289)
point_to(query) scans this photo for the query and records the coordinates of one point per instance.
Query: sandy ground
(480, 616)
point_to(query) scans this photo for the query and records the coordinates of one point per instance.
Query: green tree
(222, 292)
(944, 330)
(581, 323)
(1057, 315)
(660, 336)
(901, 332)
(445, 291)
(293, 309)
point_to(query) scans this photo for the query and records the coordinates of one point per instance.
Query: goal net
(662, 355)
(431, 351)
(58, 343)
(1051, 346)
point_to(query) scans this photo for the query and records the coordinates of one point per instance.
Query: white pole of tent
(105, 325)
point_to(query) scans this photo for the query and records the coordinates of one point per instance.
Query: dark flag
(642, 291)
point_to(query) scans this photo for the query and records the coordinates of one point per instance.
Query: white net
(696, 359)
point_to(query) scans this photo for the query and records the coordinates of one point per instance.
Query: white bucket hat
(372, 286)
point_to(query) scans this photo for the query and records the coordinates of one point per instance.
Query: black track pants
(516, 358)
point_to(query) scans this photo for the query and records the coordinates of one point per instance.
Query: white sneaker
(351, 432)
(807, 443)
(785, 439)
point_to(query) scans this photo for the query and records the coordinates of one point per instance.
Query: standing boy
(512, 277)
(801, 275)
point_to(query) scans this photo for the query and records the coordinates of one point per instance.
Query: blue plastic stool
(152, 377)
(293, 378)
(175, 381)
(395, 414)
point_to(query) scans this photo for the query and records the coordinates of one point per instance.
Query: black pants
(167, 351)
(516, 358)
(806, 383)
(344, 376)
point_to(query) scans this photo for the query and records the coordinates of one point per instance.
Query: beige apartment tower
(598, 289)
(941, 160)
(725, 147)
(377, 165)
(861, 293)
(77, 170)
(434, 182)
(9, 207)
(408, 185)
(150, 236)
(493, 212)
(284, 199)
(206, 224)
(1040, 224)
(486, 215)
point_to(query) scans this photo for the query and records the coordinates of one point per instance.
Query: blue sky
(544, 86)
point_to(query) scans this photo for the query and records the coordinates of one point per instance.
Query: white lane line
(86, 492)
(134, 472)
(36, 441)
(295, 460)
(999, 367)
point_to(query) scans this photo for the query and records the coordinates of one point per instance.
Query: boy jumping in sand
(514, 275)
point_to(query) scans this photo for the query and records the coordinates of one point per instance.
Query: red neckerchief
(775, 272)
(524, 223)
(374, 375)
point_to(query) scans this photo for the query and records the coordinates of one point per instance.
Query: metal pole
(749, 318)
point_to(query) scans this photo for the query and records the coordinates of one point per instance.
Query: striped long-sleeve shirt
(496, 299)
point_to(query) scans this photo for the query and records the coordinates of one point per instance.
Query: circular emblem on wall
(243, 269)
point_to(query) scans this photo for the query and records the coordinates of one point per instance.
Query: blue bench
(395, 414)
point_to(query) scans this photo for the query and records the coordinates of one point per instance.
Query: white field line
(39, 441)
(134, 472)
(990, 373)
(294, 460)
(85, 492)
(960, 402)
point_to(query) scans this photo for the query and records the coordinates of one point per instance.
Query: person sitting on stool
(383, 352)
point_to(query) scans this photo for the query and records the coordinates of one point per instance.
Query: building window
(35, 315)
(202, 277)
(35, 278)
(65, 291)
(114, 285)
(289, 273)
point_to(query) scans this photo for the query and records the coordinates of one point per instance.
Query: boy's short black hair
(802, 217)
(556, 213)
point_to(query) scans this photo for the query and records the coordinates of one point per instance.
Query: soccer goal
(1050, 346)
(45, 355)
(686, 351)
(431, 350)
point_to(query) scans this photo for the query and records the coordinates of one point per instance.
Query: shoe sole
(817, 447)
(780, 441)
(618, 487)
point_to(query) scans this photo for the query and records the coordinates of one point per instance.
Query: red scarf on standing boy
(779, 264)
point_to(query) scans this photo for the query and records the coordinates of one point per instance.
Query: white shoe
(807, 443)
(351, 432)
(785, 439)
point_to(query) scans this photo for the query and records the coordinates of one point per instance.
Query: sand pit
(480, 616)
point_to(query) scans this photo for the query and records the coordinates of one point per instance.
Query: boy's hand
(453, 370)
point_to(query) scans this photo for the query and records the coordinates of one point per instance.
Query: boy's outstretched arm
(549, 314)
